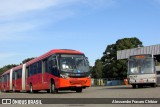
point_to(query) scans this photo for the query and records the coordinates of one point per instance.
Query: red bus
(16, 83)
(0, 83)
(5, 83)
(59, 69)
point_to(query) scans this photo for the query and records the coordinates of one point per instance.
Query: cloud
(11, 7)
(15, 7)
(158, 1)
(15, 27)
(20, 19)
(17, 16)
(7, 58)
(4, 55)
(96, 4)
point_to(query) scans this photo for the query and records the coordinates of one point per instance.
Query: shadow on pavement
(127, 87)
(60, 92)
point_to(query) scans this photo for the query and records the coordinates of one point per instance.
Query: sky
(30, 28)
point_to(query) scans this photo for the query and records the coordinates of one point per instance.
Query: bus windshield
(141, 66)
(74, 63)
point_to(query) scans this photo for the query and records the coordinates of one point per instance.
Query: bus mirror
(156, 62)
(86, 58)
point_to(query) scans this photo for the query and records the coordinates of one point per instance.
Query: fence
(107, 82)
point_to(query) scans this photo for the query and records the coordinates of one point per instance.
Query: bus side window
(30, 70)
(39, 68)
(34, 68)
(8, 77)
(27, 72)
(52, 66)
(48, 66)
(51, 62)
(4, 78)
(19, 73)
(13, 75)
(54, 70)
(158, 72)
(44, 66)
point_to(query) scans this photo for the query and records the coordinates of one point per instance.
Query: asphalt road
(92, 92)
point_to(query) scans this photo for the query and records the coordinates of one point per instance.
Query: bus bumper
(74, 82)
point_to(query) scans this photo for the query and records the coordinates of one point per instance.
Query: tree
(97, 69)
(26, 60)
(117, 68)
(7, 67)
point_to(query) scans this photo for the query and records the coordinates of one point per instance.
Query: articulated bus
(59, 69)
(0, 83)
(142, 71)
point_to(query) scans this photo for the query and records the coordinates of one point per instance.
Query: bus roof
(55, 51)
(8, 71)
(15, 68)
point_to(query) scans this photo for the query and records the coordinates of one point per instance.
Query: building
(154, 50)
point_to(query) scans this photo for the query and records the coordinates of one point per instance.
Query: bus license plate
(141, 81)
(78, 86)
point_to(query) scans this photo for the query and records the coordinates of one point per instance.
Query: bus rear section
(5, 84)
(17, 79)
(0, 83)
(141, 71)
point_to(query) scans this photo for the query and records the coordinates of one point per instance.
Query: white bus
(142, 71)
(158, 74)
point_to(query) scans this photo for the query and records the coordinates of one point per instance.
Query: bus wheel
(153, 85)
(31, 88)
(13, 88)
(4, 90)
(53, 88)
(140, 86)
(48, 91)
(78, 90)
(133, 86)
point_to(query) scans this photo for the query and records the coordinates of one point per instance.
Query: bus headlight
(64, 75)
(89, 76)
(153, 77)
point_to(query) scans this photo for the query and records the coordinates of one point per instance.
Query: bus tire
(4, 90)
(153, 85)
(140, 86)
(13, 89)
(48, 91)
(78, 90)
(31, 88)
(53, 88)
(134, 86)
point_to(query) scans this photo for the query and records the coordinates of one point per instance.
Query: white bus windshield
(141, 66)
(74, 63)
